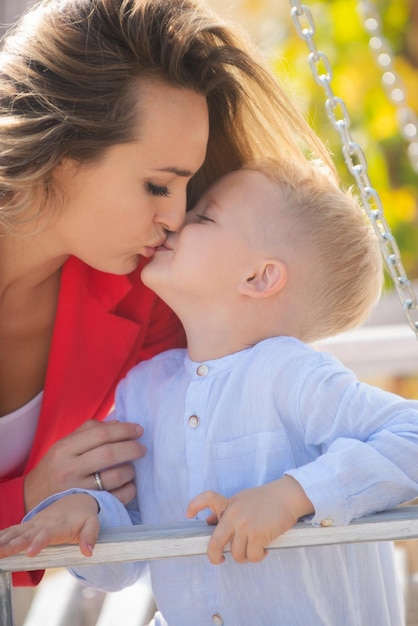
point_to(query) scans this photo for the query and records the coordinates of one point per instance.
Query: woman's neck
(27, 263)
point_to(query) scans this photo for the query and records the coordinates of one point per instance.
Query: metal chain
(356, 163)
(391, 80)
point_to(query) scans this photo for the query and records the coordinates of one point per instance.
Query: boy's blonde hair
(340, 272)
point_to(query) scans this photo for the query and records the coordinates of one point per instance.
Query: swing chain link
(391, 80)
(356, 162)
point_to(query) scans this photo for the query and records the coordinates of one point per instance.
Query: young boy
(253, 424)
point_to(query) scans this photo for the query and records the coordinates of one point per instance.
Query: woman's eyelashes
(158, 190)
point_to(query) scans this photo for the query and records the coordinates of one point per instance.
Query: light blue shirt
(247, 419)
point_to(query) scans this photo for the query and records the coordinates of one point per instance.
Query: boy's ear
(269, 278)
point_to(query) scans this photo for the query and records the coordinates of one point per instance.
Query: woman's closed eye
(158, 190)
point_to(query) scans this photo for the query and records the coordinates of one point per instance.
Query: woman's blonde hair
(323, 230)
(69, 72)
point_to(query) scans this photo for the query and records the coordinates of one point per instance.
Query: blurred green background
(341, 35)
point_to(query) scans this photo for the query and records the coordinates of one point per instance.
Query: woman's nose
(172, 218)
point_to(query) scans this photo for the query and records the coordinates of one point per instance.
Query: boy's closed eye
(203, 218)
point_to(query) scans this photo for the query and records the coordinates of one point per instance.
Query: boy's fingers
(208, 500)
(18, 543)
(43, 538)
(212, 519)
(197, 504)
(88, 536)
(7, 549)
(222, 534)
(239, 548)
(255, 553)
(217, 503)
(10, 533)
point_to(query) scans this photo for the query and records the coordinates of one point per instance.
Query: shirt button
(202, 370)
(193, 421)
(327, 522)
(217, 619)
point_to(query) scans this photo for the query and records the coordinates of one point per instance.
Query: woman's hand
(252, 518)
(106, 448)
(72, 519)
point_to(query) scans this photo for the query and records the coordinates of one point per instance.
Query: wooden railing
(139, 543)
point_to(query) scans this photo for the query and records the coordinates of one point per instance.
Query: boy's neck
(205, 342)
(201, 351)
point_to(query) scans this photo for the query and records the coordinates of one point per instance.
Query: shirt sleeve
(112, 514)
(361, 444)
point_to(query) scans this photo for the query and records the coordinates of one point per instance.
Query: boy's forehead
(243, 182)
(253, 189)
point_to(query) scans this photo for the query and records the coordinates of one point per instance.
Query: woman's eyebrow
(175, 170)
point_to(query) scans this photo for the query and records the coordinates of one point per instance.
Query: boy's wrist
(296, 499)
(87, 501)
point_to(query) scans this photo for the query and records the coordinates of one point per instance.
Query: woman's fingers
(126, 493)
(94, 434)
(104, 447)
(110, 455)
(111, 478)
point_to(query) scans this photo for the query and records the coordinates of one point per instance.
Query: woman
(114, 115)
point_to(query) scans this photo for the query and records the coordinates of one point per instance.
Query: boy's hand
(252, 518)
(72, 519)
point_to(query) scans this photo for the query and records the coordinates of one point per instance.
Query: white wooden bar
(139, 543)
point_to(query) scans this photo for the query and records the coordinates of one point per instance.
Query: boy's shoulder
(169, 360)
(288, 350)
(291, 360)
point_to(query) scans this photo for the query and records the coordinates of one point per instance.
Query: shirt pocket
(251, 461)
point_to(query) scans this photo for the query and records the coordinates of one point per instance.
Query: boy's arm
(363, 444)
(72, 519)
(252, 518)
(54, 522)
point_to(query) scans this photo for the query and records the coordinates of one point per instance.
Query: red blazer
(105, 324)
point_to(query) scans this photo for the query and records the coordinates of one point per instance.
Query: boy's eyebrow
(175, 170)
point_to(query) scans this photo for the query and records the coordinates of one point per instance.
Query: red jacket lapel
(90, 351)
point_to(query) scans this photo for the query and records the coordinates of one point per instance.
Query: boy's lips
(149, 251)
(162, 247)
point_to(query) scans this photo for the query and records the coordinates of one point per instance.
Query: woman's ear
(269, 278)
